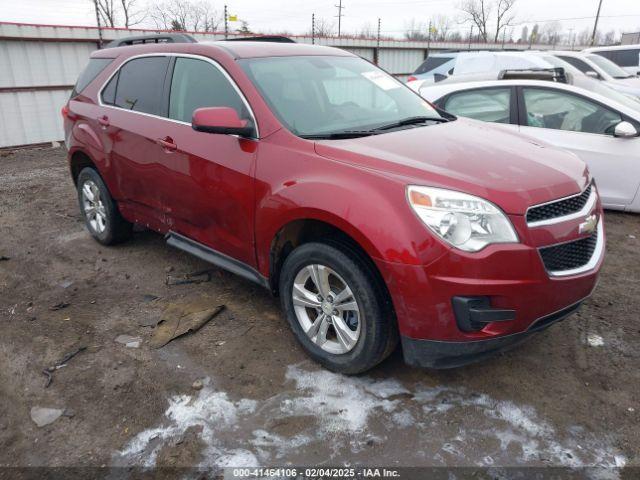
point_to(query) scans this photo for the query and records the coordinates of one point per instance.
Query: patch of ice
(595, 340)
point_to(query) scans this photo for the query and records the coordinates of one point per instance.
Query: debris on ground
(48, 372)
(4, 258)
(177, 320)
(59, 306)
(197, 385)
(44, 416)
(197, 277)
(66, 284)
(129, 341)
(595, 340)
(148, 298)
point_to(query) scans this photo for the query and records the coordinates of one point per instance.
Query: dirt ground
(568, 397)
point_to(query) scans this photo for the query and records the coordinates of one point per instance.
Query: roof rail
(263, 38)
(155, 38)
(556, 74)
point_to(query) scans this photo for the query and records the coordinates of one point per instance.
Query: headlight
(466, 222)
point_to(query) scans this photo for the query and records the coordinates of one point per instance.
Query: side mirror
(592, 74)
(625, 130)
(222, 120)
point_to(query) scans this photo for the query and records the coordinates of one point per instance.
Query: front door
(584, 127)
(207, 179)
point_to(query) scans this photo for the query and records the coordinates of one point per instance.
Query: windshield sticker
(381, 79)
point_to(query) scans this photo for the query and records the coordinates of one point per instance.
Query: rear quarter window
(91, 71)
(432, 63)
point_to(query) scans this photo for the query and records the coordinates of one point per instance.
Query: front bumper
(510, 278)
(441, 354)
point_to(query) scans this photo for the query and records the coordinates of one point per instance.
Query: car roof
(236, 49)
(613, 47)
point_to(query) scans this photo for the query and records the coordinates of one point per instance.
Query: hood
(508, 169)
(629, 86)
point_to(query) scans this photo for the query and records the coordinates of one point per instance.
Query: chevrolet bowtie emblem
(589, 224)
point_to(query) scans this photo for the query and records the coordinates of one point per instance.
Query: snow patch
(344, 418)
(595, 340)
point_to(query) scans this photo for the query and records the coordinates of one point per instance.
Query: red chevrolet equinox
(375, 217)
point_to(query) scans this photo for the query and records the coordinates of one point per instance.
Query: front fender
(369, 207)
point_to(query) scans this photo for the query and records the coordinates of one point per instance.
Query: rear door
(133, 125)
(584, 127)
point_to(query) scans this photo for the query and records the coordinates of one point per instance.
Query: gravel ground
(568, 397)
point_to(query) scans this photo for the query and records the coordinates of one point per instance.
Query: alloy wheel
(93, 206)
(326, 309)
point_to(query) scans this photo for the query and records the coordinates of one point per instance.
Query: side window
(140, 85)
(196, 84)
(432, 63)
(91, 71)
(109, 92)
(564, 111)
(628, 58)
(584, 67)
(488, 105)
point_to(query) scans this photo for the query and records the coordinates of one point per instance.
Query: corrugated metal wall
(40, 63)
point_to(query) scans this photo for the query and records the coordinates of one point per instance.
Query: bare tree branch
(132, 14)
(107, 12)
(505, 16)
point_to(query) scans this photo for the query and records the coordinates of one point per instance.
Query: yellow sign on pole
(233, 18)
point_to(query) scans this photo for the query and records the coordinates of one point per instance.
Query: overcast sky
(295, 16)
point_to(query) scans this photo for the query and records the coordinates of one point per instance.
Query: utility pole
(429, 38)
(226, 23)
(95, 4)
(313, 28)
(571, 39)
(470, 36)
(340, 15)
(504, 37)
(595, 25)
(376, 52)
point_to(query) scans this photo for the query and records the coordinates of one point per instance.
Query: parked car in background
(602, 69)
(436, 67)
(304, 168)
(471, 66)
(602, 130)
(625, 56)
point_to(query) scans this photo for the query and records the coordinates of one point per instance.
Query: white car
(602, 130)
(625, 56)
(604, 70)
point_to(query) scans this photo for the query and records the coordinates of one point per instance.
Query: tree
(480, 13)
(534, 34)
(324, 28)
(442, 26)
(244, 28)
(195, 15)
(610, 38)
(367, 31)
(524, 36)
(550, 34)
(416, 31)
(132, 14)
(107, 12)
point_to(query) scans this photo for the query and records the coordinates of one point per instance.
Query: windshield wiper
(340, 135)
(411, 121)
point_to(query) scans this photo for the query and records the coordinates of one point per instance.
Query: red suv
(374, 216)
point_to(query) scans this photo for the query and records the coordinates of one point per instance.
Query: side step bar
(216, 258)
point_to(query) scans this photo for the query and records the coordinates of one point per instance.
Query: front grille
(560, 208)
(568, 256)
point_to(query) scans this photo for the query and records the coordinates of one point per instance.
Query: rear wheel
(100, 211)
(336, 308)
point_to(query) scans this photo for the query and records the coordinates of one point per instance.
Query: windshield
(321, 95)
(608, 66)
(558, 62)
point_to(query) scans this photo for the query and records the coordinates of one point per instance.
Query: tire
(372, 331)
(100, 212)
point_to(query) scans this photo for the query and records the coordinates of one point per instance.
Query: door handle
(103, 121)
(167, 144)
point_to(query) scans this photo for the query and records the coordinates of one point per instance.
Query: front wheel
(336, 307)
